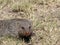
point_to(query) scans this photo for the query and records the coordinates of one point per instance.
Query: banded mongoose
(16, 27)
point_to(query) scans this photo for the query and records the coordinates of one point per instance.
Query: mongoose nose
(27, 33)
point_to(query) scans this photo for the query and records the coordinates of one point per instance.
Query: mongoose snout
(27, 33)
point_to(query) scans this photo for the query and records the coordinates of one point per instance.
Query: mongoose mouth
(27, 34)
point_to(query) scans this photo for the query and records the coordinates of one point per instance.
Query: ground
(45, 15)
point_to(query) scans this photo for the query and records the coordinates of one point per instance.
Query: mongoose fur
(16, 27)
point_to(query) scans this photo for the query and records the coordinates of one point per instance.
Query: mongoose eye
(29, 27)
(22, 27)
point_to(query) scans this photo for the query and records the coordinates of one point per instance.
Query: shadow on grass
(25, 39)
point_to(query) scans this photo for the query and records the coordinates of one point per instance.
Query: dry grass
(45, 15)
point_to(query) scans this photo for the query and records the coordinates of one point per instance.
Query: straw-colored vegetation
(45, 15)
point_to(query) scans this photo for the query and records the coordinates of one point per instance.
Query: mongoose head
(25, 28)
